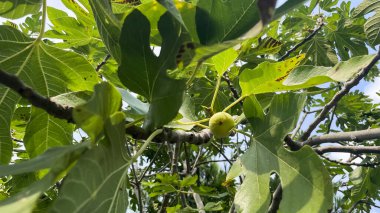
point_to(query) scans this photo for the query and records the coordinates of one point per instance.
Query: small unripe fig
(221, 124)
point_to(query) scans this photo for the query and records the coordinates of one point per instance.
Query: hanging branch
(37, 100)
(308, 38)
(339, 95)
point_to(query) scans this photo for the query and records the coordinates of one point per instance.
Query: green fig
(221, 124)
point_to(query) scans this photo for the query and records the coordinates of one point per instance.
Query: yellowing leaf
(268, 77)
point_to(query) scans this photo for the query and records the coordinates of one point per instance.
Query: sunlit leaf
(223, 60)
(14, 9)
(267, 77)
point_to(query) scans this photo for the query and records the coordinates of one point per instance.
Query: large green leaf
(305, 182)
(68, 29)
(97, 183)
(372, 26)
(18, 8)
(267, 76)
(218, 31)
(108, 25)
(57, 159)
(50, 72)
(49, 159)
(223, 60)
(219, 21)
(44, 131)
(144, 73)
(92, 115)
(347, 37)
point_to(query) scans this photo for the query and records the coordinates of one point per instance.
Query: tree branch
(339, 95)
(65, 112)
(276, 200)
(34, 98)
(360, 135)
(172, 136)
(308, 38)
(349, 149)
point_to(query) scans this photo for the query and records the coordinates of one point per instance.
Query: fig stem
(234, 103)
(203, 126)
(215, 93)
(194, 122)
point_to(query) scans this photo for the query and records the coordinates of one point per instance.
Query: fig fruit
(221, 124)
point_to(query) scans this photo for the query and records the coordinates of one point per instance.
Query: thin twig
(331, 120)
(234, 92)
(137, 185)
(299, 125)
(369, 164)
(209, 161)
(101, 64)
(151, 162)
(339, 95)
(363, 201)
(349, 149)
(222, 153)
(308, 38)
(354, 206)
(194, 168)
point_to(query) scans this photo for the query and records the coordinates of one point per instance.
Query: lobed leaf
(372, 26)
(305, 182)
(144, 73)
(50, 72)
